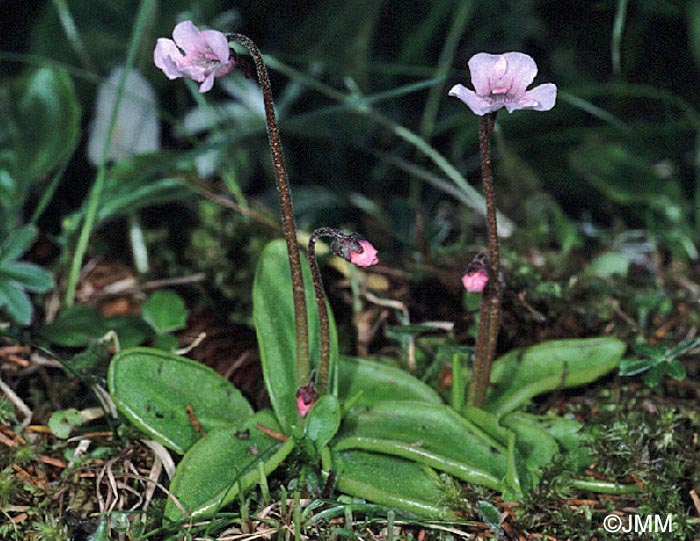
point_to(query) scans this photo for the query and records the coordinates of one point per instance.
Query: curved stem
(323, 320)
(491, 303)
(301, 324)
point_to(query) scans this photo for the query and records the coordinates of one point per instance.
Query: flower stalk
(500, 81)
(487, 336)
(301, 325)
(357, 251)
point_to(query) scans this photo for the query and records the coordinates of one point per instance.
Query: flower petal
(520, 72)
(189, 38)
(218, 44)
(208, 82)
(545, 96)
(165, 58)
(479, 106)
(481, 67)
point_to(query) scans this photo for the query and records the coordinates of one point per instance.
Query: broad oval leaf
(273, 315)
(370, 382)
(154, 389)
(524, 373)
(224, 463)
(392, 481)
(434, 435)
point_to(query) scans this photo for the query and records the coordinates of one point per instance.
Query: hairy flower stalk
(487, 336)
(499, 81)
(357, 251)
(301, 324)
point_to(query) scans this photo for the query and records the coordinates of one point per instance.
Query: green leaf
(166, 342)
(273, 315)
(224, 463)
(535, 445)
(74, 327)
(46, 115)
(17, 242)
(559, 364)
(15, 301)
(632, 367)
(434, 435)
(27, 275)
(63, 422)
(371, 382)
(676, 370)
(165, 311)
(131, 330)
(138, 182)
(391, 481)
(491, 515)
(323, 421)
(154, 390)
(78, 325)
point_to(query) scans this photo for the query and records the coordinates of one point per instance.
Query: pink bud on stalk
(307, 395)
(477, 276)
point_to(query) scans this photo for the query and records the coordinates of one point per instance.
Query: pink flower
(475, 281)
(501, 81)
(198, 54)
(366, 257)
(307, 395)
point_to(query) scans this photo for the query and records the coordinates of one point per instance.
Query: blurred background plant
(370, 139)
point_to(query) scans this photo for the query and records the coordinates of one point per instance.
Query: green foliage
(658, 361)
(41, 132)
(433, 435)
(273, 315)
(165, 395)
(63, 422)
(165, 311)
(224, 463)
(79, 325)
(323, 421)
(16, 277)
(391, 481)
(364, 382)
(524, 373)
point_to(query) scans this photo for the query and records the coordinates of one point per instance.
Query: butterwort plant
(500, 81)
(360, 426)
(204, 55)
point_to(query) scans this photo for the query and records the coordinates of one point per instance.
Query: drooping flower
(477, 276)
(354, 248)
(201, 55)
(365, 258)
(501, 80)
(475, 282)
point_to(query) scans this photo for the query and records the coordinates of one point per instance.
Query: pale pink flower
(475, 281)
(307, 395)
(198, 54)
(367, 257)
(501, 80)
